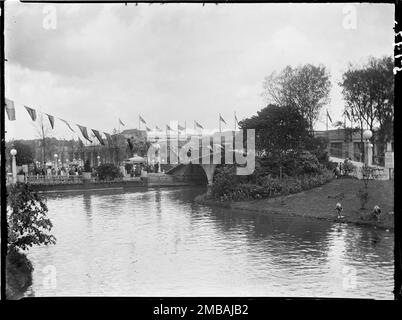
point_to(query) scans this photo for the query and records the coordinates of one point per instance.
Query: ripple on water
(159, 243)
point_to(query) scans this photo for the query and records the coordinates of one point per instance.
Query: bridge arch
(202, 173)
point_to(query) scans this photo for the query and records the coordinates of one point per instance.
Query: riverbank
(320, 202)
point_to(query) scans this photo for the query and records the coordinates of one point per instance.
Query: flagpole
(220, 127)
(235, 121)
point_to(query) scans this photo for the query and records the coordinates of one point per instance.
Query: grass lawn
(320, 202)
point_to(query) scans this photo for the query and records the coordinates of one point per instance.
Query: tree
(25, 154)
(87, 166)
(277, 129)
(305, 88)
(384, 107)
(28, 224)
(43, 132)
(108, 171)
(368, 91)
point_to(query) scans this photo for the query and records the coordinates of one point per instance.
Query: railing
(52, 179)
(73, 179)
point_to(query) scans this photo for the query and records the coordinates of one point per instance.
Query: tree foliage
(87, 166)
(108, 171)
(25, 153)
(368, 91)
(28, 224)
(277, 129)
(305, 88)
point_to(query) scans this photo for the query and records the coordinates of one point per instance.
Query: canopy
(137, 159)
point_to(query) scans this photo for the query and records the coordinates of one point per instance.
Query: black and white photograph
(199, 150)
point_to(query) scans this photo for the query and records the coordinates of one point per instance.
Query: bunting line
(51, 120)
(98, 136)
(10, 109)
(67, 124)
(31, 112)
(84, 132)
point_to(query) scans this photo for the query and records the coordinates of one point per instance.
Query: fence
(40, 179)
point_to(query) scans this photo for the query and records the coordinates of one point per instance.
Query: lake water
(158, 242)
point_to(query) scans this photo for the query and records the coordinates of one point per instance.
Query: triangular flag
(51, 120)
(109, 138)
(67, 124)
(180, 127)
(10, 109)
(98, 136)
(84, 132)
(198, 125)
(32, 113)
(142, 120)
(221, 119)
(148, 129)
(168, 128)
(121, 122)
(157, 128)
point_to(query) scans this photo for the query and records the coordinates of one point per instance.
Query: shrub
(108, 171)
(348, 167)
(18, 273)
(224, 181)
(27, 220)
(363, 196)
(307, 163)
(87, 166)
(226, 188)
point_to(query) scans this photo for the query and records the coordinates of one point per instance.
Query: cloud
(174, 62)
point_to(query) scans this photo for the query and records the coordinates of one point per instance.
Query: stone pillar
(389, 161)
(369, 153)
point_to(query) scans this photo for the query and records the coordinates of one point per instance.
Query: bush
(348, 167)
(363, 196)
(87, 166)
(226, 188)
(108, 171)
(18, 273)
(224, 181)
(27, 220)
(293, 163)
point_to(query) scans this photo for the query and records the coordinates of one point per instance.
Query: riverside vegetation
(28, 225)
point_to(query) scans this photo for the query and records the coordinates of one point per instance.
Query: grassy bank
(18, 274)
(320, 202)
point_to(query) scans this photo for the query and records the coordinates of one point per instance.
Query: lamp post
(13, 153)
(368, 148)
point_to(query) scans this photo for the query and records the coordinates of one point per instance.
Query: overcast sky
(174, 61)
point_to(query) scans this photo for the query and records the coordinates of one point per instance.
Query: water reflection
(158, 242)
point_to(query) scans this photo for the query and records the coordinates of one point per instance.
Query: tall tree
(25, 154)
(43, 132)
(305, 88)
(277, 129)
(368, 91)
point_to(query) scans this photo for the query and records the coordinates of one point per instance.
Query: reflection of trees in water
(363, 243)
(87, 204)
(275, 235)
